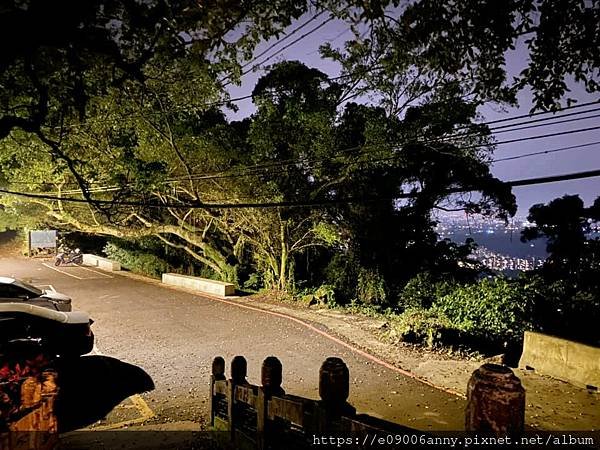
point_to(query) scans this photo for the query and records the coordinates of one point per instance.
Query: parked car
(13, 290)
(33, 317)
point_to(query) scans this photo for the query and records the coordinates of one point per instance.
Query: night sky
(586, 158)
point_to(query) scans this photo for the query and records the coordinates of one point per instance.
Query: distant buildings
(503, 263)
(499, 246)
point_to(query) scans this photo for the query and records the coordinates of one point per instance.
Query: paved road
(174, 335)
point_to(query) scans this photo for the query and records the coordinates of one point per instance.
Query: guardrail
(262, 417)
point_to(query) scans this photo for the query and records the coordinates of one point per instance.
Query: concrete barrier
(90, 260)
(199, 284)
(101, 262)
(108, 264)
(559, 358)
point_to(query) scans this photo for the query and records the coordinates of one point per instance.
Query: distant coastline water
(504, 243)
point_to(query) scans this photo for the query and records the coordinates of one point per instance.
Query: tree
(155, 148)
(566, 224)
(410, 51)
(59, 57)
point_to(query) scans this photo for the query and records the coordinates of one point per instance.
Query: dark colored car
(41, 318)
(13, 290)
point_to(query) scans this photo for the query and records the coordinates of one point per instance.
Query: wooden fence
(261, 417)
(28, 419)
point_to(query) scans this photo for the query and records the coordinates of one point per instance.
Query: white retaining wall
(199, 284)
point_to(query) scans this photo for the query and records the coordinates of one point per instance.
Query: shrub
(323, 295)
(495, 311)
(420, 326)
(341, 273)
(422, 291)
(137, 261)
(370, 289)
(253, 283)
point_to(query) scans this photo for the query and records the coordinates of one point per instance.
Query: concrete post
(239, 369)
(271, 376)
(218, 373)
(495, 401)
(334, 388)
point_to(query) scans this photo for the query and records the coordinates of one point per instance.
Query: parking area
(77, 272)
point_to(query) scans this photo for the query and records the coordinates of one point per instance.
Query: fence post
(239, 369)
(218, 373)
(334, 389)
(271, 376)
(495, 401)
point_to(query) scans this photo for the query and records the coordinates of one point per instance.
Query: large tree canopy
(115, 103)
(566, 223)
(168, 162)
(411, 49)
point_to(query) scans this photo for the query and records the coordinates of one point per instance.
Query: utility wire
(545, 152)
(510, 129)
(295, 204)
(259, 167)
(278, 42)
(285, 47)
(253, 170)
(263, 167)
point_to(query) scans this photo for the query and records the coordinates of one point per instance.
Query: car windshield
(28, 287)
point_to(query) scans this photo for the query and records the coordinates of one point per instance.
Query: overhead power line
(297, 204)
(278, 42)
(539, 113)
(285, 47)
(545, 152)
(269, 165)
(283, 39)
(258, 168)
(546, 119)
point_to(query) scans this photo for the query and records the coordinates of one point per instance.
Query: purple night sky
(586, 158)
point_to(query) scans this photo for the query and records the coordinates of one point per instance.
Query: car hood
(56, 296)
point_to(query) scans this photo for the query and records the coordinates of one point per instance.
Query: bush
(253, 283)
(341, 273)
(422, 291)
(323, 295)
(495, 311)
(421, 326)
(370, 289)
(137, 261)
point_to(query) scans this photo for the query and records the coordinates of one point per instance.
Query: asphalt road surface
(174, 335)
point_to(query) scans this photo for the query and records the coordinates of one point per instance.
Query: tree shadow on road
(91, 386)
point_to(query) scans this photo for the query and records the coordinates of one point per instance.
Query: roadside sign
(42, 241)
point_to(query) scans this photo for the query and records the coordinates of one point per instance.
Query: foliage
(62, 56)
(494, 310)
(253, 283)
(566, 224)
(424, 45)
(564, 310)
(137, 261)
(423, 290)
(322, 295)
(370, 288)
(420, 326)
